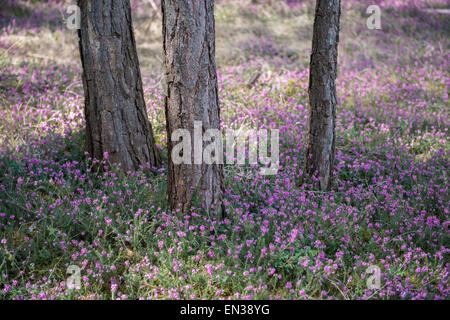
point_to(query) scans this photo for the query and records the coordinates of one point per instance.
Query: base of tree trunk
(319, 157)
(117, 125)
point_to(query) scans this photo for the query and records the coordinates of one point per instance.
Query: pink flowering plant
(388, 209)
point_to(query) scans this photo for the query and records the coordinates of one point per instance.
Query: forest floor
(388, 210)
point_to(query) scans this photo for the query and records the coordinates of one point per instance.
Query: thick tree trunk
(116, 116)
(189, 59)
(322, 92)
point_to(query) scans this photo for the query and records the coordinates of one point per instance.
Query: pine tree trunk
(116, 116)
(192, 95)
(322, 92)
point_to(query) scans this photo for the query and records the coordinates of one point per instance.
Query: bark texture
(116, 116)
(322, 92)
(192, 95)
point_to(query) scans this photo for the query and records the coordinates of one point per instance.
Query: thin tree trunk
(116, 116)
(192, 95)
(322, 92)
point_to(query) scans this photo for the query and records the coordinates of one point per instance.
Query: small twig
(38, 56)
(253, 79)
(155, 7)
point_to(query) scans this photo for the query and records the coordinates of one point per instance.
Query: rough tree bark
(116, 117)
(192, 95)
(322, 92)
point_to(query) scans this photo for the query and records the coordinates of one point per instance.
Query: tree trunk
(117, 124)
(322, 92)
(192, 95)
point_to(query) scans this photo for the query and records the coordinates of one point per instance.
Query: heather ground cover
(389, 206)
